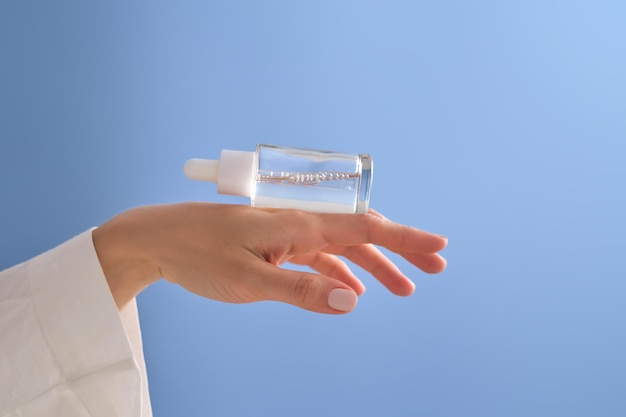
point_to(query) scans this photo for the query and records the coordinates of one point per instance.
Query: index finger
(355, 229)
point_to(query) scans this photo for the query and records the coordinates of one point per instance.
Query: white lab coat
(65, 350)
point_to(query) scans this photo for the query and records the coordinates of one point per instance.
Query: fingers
(339, 294)
(350, 230)
(431, 263)
(331, 266)
(355, 236)
(376, 263)
(313, 292)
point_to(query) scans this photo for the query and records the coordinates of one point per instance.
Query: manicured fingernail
(342, 300)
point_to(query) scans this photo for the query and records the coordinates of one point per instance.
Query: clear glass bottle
(287, 177)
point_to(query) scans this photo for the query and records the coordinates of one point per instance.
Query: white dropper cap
(234, 172)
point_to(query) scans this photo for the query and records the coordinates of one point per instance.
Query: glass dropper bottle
(288, 177)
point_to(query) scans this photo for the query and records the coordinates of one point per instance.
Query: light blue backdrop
(499, 124)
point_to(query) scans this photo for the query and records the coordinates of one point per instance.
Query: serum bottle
(287, 177)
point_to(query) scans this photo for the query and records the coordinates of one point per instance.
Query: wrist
(122, 259)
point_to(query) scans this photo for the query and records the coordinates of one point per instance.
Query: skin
(234, 253)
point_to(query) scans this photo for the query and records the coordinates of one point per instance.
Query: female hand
(233, 253)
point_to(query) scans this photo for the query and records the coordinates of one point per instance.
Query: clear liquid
(312, 180)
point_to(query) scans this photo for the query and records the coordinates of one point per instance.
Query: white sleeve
(65, 350)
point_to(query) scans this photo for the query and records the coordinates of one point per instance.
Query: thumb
(313, 292)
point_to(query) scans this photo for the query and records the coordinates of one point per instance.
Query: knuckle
(305, 288)
(295, 218)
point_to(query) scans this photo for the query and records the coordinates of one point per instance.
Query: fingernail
(342, 300)
(443, 236)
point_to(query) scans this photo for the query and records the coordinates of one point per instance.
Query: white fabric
(65, 350)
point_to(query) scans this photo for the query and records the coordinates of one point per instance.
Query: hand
(233, 253)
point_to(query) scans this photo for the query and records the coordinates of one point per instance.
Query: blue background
(499, 124)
